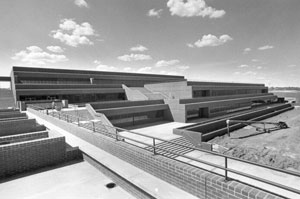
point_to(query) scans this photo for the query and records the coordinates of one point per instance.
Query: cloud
(127, 69)
(73, 34)
(248, 73)
(182, 68)
(36, 56)
(243, 66)
(97, 62)
(190, 45)
(134, 57)
(292, 65)
(255, 60)
(246, 50)
(81, 3)
(191, 8)
(162, 63)
(211, 40)
(139, 48)
(104, 67)
(266, 47)
(55, 49)
(146, 69)
(155, 13)
(259, 67)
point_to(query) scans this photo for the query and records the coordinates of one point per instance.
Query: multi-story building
(186, 100)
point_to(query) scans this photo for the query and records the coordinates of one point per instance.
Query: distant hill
(284, 88)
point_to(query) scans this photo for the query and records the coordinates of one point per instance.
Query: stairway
(173, 147)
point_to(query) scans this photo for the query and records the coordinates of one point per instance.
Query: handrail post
(47, 112)
(78, 121)
(228, 130)
(117, 137)
(93, 126)
(226, 166)
(58, 115)
(154, 148)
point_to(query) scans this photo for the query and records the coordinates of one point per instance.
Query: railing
(114, 132)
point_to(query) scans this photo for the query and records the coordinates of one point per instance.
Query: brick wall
(23, 137)
(14, 127)
(25, 156)
(196, 181)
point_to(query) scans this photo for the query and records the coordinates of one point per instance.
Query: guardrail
(114, 132)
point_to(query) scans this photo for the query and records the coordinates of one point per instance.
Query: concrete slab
(153, 185)
(80, 180)
(163, 131)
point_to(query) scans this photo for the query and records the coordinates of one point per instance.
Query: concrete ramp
(149, 94)
(133, 94)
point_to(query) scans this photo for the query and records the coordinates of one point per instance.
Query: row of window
(205, 93)
(83, 98)
(136, 117)
(229, 107)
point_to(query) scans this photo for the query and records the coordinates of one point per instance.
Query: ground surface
(278, 148)
(80, 180)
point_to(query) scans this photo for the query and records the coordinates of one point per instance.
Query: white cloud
(97, 62)
(212, 40)
(182, 68)
(146, 69)
(243, 66)
(139, 48)
(246, 50)
(255, 60)
(104, 67)
(162, 63)
(127, 69)
(36, 56)
(74, 34)
(134, 57)
(191, 8)
(190, 45)
(259, 67)
(292, 65)
(55, 49)
(81, 3)
(155, 13)
(248, 73)
(266, 47)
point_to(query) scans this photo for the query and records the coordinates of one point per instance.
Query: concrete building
(77, 86)
(137, 94)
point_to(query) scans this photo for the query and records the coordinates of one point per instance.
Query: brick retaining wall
(23, 137)
(13, 127)
(25, 156)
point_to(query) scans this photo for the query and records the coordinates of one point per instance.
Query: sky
(255, 41)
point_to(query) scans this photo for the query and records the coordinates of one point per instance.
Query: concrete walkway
(152, 185)
(76, 181)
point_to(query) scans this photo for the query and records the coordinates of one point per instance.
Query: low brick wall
(13, 127)
(196, 181)
(4, 115)
(24, 156)
(23, 137)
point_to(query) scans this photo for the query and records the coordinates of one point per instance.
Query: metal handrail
(226, 169)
